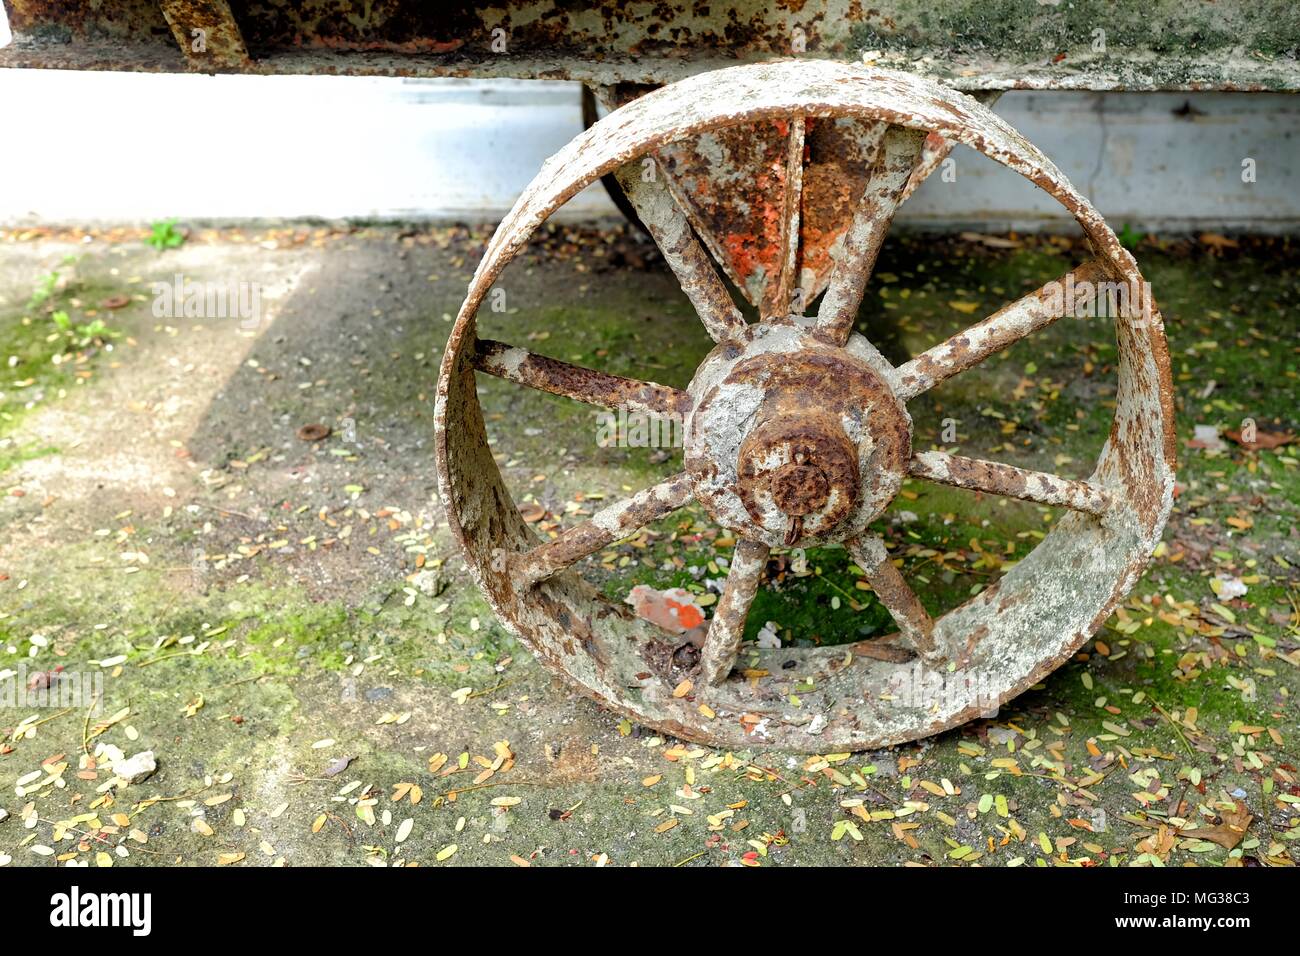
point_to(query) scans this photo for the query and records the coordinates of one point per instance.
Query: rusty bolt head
(800, 489)
(798, 461)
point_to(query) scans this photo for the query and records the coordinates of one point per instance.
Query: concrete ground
(286, 624)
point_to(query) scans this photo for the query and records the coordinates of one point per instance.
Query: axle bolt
(799, 489)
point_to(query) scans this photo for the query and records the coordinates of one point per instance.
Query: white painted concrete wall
(1157, 160)
(122, 147)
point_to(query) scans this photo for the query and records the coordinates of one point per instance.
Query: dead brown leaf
(1229, 832)
(1217, 242)
(1263, 439)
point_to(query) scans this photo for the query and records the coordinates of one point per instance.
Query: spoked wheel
(797, 429)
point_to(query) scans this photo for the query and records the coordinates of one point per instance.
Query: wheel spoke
(895, 594)
(668, 226)
(777, 303)
(581, 384)
(600, 530)
(937, 149)
(1003, 328)
(933, 153)
(866, 234)
(727, 628)
(995, 478)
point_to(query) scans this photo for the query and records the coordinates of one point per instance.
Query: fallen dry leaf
(1228, 833)
(1216, 241)
(1263, 439)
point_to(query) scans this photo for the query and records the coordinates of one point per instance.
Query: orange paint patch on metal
(732, 183)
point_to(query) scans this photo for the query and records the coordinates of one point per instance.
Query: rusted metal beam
(581, 384)
(646, 187)
(1156, 45)
(898, 156)
(600, 530)
(1003, 328)
(207, 34)
(914, 622)
(777, 303)
(995, 478)
(727, 628)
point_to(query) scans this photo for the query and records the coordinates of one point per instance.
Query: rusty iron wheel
(797, 430)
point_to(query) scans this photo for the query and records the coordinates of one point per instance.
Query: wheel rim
(968, 661)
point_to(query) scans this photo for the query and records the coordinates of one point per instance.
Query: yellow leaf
(447, 852)
(103, 725)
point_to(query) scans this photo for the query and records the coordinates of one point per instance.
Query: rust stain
(207, 34)
(573, 381)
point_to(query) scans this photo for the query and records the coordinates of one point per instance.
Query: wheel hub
(794, 441)
(798, 488)
(823, 699)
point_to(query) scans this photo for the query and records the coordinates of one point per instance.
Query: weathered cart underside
(968, 44)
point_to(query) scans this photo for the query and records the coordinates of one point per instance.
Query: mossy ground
(286, 623)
